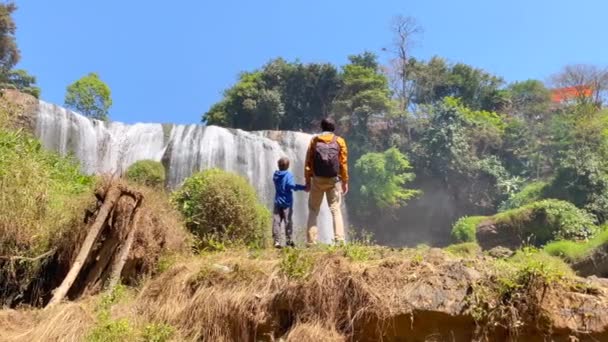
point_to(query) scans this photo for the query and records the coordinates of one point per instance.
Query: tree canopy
(89, 96)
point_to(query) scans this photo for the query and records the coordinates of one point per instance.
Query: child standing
(284, 184)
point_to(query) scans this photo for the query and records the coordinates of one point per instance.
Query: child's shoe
(290, 244)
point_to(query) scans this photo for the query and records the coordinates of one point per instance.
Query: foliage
(384, 177)
(147, 172)
(581, 174)
(40, 193)
(437, 79)
(155, 332)
(529, 99)
(90, 96)
(223, 207)
(464, 230)
(573, 251)
(292, 96)
(364, 95)
(548, 220)
(20, 80)
(459, 147)
(464, 249)
(296, 263)
(9, 53)
(532, 192)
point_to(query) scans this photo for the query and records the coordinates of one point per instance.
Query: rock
(222, 268)
(490, 235)
(595, 264)
(500, 252)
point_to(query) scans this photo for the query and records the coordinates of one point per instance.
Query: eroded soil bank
(336, 294)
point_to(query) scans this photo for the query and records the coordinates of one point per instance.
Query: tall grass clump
(222, 208)
(40, 203)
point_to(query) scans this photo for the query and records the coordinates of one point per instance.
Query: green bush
(530, 193)
(223, 207)
(573, 251)
(147, 172)
(549, 220)
(465, 228)
(544, 221)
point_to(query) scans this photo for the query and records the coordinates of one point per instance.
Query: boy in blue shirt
(284, 185)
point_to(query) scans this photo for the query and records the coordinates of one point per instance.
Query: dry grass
(242, 295)
(314, 331)
(68, 322)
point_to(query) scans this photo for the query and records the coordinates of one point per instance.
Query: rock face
(26, 119)
(595, 264)
(490, 234)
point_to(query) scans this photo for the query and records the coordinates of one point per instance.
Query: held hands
(307, 189)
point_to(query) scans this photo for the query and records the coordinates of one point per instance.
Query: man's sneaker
(290, 244)
(277, 245)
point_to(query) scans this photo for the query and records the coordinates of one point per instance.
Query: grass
(573, 251)
(324, 291)
(465, 229)
(465, 249)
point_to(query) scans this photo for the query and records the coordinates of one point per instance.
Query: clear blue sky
(169, 61)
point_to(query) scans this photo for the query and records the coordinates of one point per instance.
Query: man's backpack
(326, 161)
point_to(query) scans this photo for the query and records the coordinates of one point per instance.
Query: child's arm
(291, 184)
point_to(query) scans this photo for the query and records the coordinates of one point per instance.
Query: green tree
(282, 95)
(364, 96)
(383, 177)
(530, 100)
(9, 53)
(249, 105)
(89, 96)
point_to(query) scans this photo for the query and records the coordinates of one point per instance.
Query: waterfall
(184, 149)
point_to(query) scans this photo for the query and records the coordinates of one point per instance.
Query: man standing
(326, 173)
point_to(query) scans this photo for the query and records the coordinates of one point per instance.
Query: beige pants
(331, 188)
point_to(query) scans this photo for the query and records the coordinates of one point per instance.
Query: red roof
(569, 93)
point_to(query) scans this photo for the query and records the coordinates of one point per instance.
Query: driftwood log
(106, 246)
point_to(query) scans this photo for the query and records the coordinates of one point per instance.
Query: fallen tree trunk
(112, 221)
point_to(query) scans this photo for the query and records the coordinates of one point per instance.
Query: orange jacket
(326, 137)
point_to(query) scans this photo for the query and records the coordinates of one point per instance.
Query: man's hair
(328, 125)
(283, 163)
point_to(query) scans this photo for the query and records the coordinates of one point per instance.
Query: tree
(582, 77)
(405, 29)
(529, 100)
(366, 59)
(89, 96)
(282, 95)
(9, 53)
(383, 179)
(364, 95)
(19, 79)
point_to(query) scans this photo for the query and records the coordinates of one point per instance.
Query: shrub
(223, 207)
(147, 172)
(549, 220)
(530, 193)
(573, 251)
(39, 191)
(465, 228)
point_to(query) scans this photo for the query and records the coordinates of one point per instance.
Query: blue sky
(170, 61)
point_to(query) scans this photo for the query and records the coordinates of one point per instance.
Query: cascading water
(184, 149)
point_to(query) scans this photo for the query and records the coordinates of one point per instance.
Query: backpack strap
(334, 139)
